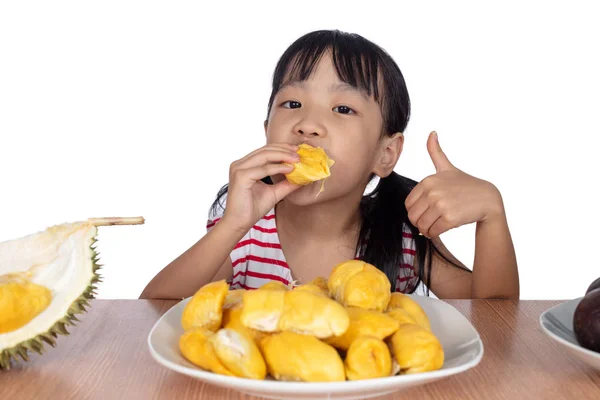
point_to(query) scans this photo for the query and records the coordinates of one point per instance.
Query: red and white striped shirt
(258, 257)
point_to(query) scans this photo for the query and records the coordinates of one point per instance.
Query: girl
(343, 93)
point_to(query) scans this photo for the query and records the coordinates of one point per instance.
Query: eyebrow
(335, 87)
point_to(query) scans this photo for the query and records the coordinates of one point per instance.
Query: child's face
(324, 111)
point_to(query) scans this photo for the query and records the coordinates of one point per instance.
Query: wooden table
(106, 357)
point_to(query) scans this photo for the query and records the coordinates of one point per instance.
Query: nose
(310, 126)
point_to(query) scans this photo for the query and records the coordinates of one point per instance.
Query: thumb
(284, 188)
(440, 161)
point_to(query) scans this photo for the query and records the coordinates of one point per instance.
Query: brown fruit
(586, 321)
(593, 286)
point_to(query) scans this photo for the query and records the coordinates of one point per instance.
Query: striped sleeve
(407, 276)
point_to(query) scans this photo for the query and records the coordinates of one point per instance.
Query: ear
(389, 151)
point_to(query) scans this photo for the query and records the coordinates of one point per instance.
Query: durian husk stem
(106, 221)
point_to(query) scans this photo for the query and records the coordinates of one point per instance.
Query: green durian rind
(79, 306)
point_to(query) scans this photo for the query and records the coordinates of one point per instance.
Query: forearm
(495, 272)
(196, 266)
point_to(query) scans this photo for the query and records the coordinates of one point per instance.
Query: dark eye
(344, 110)
(292, 104)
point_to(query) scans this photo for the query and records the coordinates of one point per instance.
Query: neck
(321, 222)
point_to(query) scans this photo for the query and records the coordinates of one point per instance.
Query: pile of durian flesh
(347, 327)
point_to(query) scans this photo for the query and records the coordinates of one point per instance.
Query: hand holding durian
(347, 327)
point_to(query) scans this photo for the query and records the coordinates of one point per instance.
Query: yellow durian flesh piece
(313, 166)
(368, 357)
(313, 313)
(232, 320)
(321, 283)
(339, 274)
(364, 323)
(195, 345)
(274, 285)
(401, 316)
(416, 312)
(311, 287)
(299, 311)
(292, 356)
(20, 302)
(239, 354)
(261, 309)
(233, 298)
(416, 349)
(355, 283)
(205, 308)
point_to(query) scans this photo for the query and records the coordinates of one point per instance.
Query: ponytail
(381, 239)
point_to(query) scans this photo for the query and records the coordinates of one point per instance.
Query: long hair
(385, 223)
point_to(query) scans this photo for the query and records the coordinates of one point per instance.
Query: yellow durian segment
(195, 345)
(311, 287)
(367, 358)
(321, 282)
(20, 302)
(274, 285)
(313, 314)
(416, 349)
(205, 308)
(355, 283)
(416, 312)
(364, 323)
(313, 166)
(232, 320)
(401, 316)
(239, 354)
(299, 311)
(262, 309)
(292, 356)
(233, 298)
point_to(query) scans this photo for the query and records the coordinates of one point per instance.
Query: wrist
(495, 211)
(233, 227)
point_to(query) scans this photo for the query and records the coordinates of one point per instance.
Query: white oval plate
(557, 323)
(461, 342)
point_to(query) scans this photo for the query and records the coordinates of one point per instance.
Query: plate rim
(578, 348)
(335, 387)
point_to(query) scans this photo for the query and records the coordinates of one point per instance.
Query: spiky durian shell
(79, 306)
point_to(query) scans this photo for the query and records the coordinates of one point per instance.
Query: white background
(123, 108)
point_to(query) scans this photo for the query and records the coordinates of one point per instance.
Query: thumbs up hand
(450, 198)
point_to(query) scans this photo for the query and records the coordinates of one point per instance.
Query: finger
(252, 175)
(440, 161)
(284, 188)
(428, 218)
(269, 156)
(273, 146)
(414, 196)
(416, 211)
(439, 226)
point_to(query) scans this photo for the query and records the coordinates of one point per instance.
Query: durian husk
(35, 343)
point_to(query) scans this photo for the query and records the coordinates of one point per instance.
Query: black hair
(368, 67)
